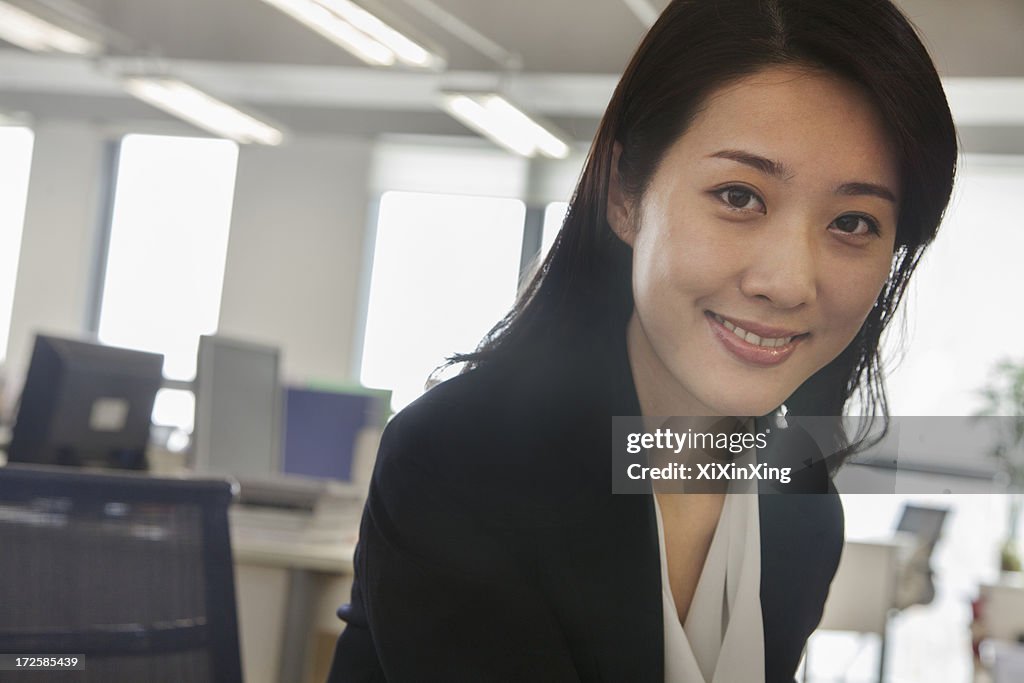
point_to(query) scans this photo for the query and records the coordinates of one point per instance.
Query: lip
(752, 353)
(759, 329)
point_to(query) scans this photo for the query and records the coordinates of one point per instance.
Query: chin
(746, 406)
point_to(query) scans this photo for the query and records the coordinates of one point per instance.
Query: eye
(740, 198)
(856, 224)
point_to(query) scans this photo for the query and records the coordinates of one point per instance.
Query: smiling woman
(772, 251)
(761, 188)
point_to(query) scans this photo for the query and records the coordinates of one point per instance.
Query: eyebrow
(767, 166)
(777, 169)
(866, 189)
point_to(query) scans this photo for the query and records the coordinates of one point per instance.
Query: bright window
(168, 244)
(964, 301)
(175, 408)
(445, 270)
(554, 215)
(15, 164)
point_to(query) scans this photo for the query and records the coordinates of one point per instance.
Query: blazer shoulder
(459, 415)
(495, 442)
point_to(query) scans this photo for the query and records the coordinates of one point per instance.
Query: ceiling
(569, 50)
(564, 36)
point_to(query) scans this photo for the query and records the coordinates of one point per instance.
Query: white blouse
(723, 638)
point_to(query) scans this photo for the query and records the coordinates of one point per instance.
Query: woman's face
(772, 217)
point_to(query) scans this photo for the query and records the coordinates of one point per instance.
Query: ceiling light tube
(500, 121)
(406, 50)
(30, 32)
(342, 33)
(203, 111)
(546, 141)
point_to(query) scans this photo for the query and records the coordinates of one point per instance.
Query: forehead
(822, 127)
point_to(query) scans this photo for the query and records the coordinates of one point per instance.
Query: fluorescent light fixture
(355, 29)
(406, 50)
(28, 31)
(192, 105)
(499, 120)
(335, 29)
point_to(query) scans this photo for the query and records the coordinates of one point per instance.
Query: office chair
(915, 581)
(130, 572)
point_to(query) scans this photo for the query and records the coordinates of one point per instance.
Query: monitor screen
(924, 522)
(86, 404)
(322, 429)
(238, 404)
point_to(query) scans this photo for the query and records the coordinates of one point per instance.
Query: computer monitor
(322, 429)
(86, 404)
(238, 405)
(923, 522)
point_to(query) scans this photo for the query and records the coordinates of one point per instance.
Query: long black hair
(583, 288)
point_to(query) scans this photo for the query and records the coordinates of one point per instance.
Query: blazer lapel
(801, 540)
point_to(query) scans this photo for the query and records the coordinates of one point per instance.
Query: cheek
(676, 254)
(851, 294)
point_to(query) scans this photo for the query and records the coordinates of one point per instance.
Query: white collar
(727, 596)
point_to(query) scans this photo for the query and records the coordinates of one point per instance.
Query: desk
(289, 586)
(330, 558)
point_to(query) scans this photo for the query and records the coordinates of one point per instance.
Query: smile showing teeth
(750, 337)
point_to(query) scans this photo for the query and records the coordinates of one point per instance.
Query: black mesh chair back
(133, 572)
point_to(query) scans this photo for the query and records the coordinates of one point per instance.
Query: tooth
(728, 325)
(753, 338)
(770, 343)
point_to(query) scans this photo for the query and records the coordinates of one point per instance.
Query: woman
(762, 185)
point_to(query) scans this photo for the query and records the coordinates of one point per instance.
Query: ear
(618, 209)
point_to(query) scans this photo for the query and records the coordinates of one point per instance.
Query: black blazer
(492, 549)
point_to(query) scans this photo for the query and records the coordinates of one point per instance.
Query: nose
(782, 266)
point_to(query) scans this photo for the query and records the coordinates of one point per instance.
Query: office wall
(53, 291)
(296, 251)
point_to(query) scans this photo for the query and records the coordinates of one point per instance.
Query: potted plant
(1004, 397)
